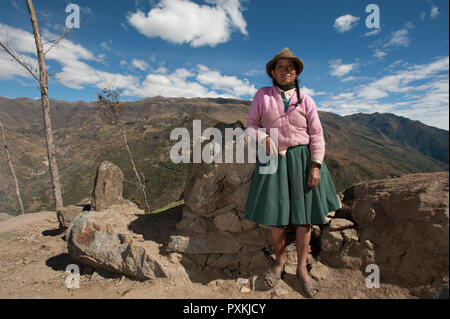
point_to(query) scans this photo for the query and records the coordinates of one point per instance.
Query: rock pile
(400, 225)
(101, 238)
(213, 229)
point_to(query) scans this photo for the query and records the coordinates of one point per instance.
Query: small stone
(220, 242)
(245, 289)
(340, 224)
(242, 281)
(95, 276)
(316, 231)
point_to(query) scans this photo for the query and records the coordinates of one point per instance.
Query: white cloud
(183, 21)
(338, 69)
(379, 54)
(423, 15)
(140, 64)
(76, 73)
(399, 38)
(161, 70)
(419, 92)
(9, 68)
(345, 23)
(122, 24)
(374, 32)
(408, 25)
(175, 84)
(253, 73)
(434, 12)
(106, 45)
(349, 78)
(372, 92)
(229, 84)
(311, 92)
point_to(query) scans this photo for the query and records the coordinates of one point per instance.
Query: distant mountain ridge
(359, 147)
(428, 140)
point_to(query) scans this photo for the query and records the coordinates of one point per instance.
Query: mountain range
(359, 147)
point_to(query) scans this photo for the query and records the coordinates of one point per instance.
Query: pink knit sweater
(299, 126)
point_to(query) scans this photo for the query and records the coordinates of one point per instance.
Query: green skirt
(284, 198)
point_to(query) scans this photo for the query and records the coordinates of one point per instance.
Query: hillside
(360, 147)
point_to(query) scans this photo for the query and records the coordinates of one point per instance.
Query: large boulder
(102, 240)
(211, 187)
(402, 225)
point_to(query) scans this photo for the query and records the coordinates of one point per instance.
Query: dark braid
(299, 100)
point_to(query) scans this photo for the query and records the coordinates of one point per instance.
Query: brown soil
(33, 259)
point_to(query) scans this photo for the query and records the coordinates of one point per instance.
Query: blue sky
(213, 48)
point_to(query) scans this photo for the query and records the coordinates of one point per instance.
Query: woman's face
(284, 72)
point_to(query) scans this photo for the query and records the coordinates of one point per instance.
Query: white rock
(245, 289)
(340, 224)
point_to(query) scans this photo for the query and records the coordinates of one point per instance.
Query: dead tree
(11, 167)
(109, 99)
(43, 82)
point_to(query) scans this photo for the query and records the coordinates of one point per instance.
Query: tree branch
(57, 40)
(20, 62)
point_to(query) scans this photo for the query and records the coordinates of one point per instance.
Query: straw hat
(284, 54)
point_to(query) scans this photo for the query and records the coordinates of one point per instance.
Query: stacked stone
(214, 231)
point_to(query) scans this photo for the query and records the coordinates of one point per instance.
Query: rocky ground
(33, 260)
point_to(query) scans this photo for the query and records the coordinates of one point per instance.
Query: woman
(301, 192)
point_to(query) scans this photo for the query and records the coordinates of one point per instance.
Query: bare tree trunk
(11, 167)
(141, 182)
(51, 149)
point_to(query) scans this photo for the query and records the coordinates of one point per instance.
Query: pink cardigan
(299, 126)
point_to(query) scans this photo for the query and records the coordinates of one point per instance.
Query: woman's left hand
(314, 176)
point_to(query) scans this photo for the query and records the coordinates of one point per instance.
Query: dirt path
(33, 259)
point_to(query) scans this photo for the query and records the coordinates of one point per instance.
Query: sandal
(271, 278)
(309, 286)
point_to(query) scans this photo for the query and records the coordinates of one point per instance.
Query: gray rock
(331, 241)
(210, 187)
(406, 220)
(108, 186)
(350, 236)
(67, 214)
(193, 224)
(228, 222)
(214, 243)
(102, 240)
